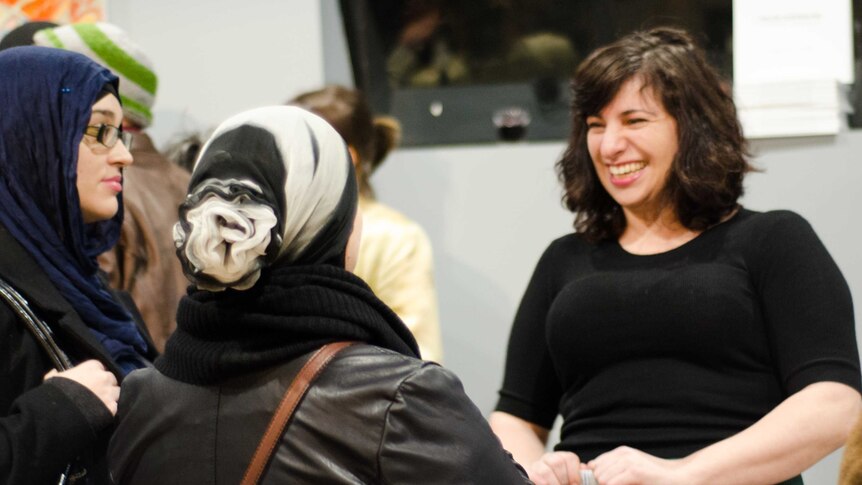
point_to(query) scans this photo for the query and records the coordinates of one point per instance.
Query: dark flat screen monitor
(458, 71)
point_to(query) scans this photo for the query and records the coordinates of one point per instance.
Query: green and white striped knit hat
(111, 47)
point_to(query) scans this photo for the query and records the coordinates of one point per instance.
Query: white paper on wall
(790, 59)
(792, 40)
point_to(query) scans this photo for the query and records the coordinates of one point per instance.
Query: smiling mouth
(626, 168)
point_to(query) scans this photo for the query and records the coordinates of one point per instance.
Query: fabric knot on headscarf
(257, 164)
(233, 232)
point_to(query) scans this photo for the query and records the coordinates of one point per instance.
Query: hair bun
(387, 136)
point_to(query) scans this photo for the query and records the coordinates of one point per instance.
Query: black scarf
(291, 311)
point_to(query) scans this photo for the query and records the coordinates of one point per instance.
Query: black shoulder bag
(40, 330)
(43, 334)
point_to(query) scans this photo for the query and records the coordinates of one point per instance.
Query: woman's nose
(613, 143)
(121, 155)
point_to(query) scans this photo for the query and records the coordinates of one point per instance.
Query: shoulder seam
(392, 401)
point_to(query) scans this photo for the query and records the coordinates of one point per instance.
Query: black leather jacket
(373, 416)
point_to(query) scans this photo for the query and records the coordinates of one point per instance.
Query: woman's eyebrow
(629, 112)
(637, 110)
(106, 113)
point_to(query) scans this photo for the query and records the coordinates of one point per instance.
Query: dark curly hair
(705, 179)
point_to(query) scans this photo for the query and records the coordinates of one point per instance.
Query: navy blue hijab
(46, 100)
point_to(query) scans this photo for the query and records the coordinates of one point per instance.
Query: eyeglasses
(109, 135)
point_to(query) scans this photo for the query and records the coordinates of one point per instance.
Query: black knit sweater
(290, 311)
(669, 353)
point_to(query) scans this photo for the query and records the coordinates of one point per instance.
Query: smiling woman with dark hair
(683, 339)
(62, 153)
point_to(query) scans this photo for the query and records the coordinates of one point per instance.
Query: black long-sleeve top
(669, 353)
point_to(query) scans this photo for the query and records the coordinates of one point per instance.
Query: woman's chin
(99, 215)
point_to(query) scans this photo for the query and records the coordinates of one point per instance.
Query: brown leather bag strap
(289, 402)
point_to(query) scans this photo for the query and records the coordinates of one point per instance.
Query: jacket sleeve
(45, 429)
(851, 461)
(433, 434)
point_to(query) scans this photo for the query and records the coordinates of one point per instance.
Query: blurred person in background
(23, 34)
(851, 461)
(395, 256)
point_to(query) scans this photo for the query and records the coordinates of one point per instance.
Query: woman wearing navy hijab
(62, 152)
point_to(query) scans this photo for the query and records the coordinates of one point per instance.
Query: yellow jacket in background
(396, 261)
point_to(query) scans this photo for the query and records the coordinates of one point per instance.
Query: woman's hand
(628, 466)
(556, 468)
(93, 375)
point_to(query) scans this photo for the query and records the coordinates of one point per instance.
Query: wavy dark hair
(705, 179)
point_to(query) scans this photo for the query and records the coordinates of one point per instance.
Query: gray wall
(219, 57)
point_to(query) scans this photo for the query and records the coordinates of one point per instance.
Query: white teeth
(627, 168)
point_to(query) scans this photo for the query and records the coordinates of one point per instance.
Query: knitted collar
(291, 311)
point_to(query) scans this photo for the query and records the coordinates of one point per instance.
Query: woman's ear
(351, 254)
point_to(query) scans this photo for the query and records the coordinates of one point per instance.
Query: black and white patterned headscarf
(272, 184)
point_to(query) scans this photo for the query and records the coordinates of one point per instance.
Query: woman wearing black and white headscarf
(268, 235)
